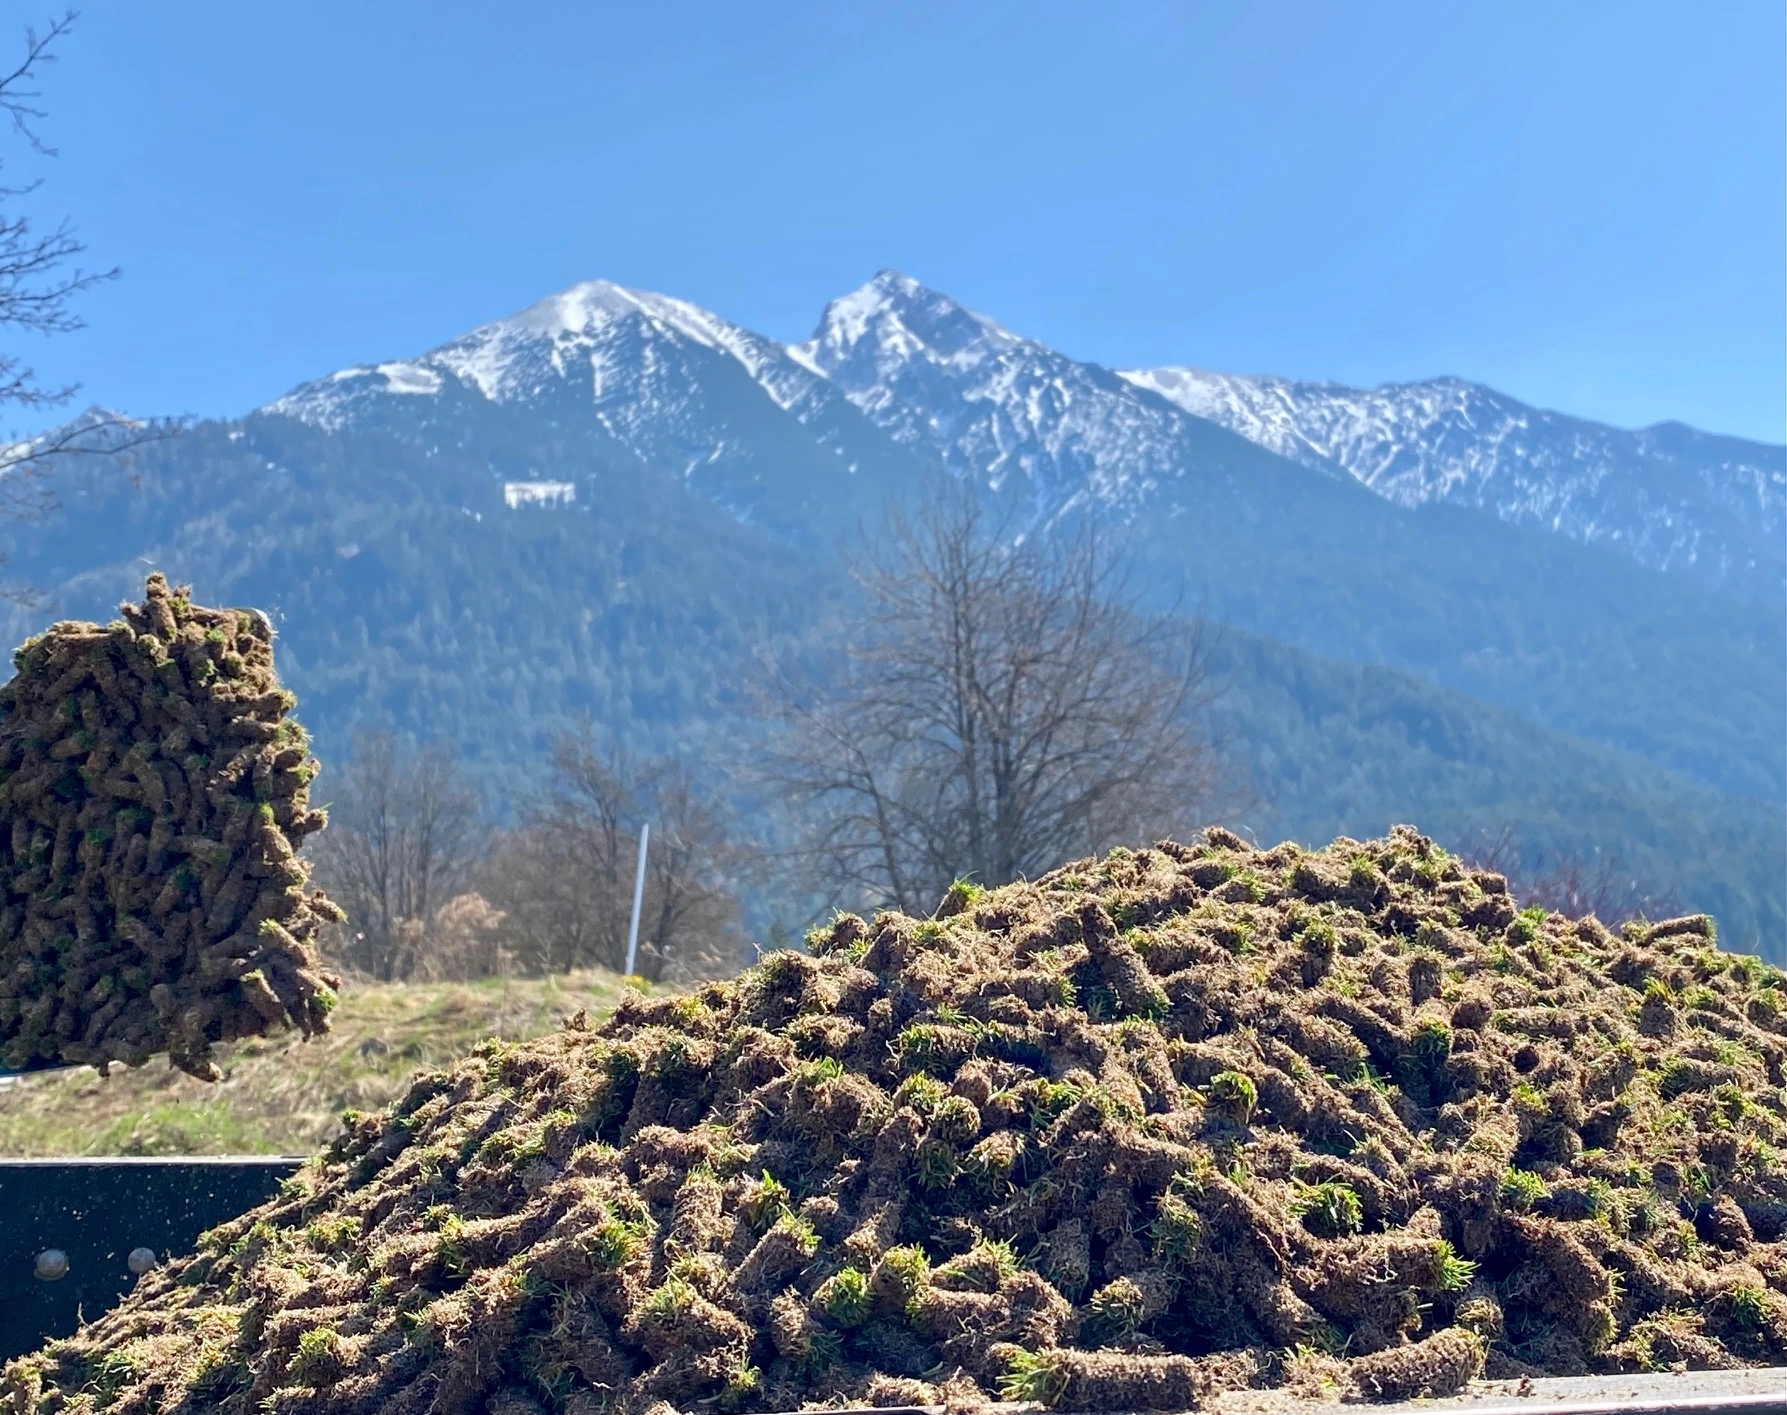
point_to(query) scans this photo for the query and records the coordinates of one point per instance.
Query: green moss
(844, 1297)
(740, 1388)
(955, 1120)
(1656, 990)
(905, 1269)
(1254, 885)
(1328, 1210)
(668, 1302)
(1526, 925)
(1748, 1304)
(1451, 1273)
(936, 1164)
(1318, 938)
(1233, 1095)
(1521, 1190)
(1032, 1378)
(765, 1201)
(1177, 1230)
(817, 1072)
(922, 1091)
(824, 1350)
(1115, 1310)
(333, 1232)
(1680, 1076)
(804, 1236)
(929, 1045)
(961, 896)
(615, 1243)
(318, 1358)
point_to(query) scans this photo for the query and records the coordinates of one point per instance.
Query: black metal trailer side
(70, 1228)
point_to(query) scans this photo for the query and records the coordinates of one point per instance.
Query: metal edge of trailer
(1666, 1394)
(1641, 1405)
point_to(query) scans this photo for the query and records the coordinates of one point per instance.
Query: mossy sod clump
(153, 795)
(1180, 1120)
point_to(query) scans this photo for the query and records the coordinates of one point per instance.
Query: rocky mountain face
(900, 381)
(731, 414)
(1428, 605)
(1003, 410)
(1690, 503)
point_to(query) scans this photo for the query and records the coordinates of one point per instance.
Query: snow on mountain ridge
(953, 385)
(937, 375)
(728, 412)
(1670, 496)
(515, 358)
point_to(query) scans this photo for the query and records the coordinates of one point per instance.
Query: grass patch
(281, 1094)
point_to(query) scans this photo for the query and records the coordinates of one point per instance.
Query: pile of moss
(1172, 1122)
(153, 795)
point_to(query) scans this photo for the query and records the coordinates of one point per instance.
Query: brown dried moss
(1176, 1121)
(153, 793)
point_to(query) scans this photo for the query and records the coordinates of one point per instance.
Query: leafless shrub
(465, 939)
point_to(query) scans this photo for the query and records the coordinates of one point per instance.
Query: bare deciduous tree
(1569, 884)
(565, 878)
(1003, 704)
(404, 830)
(39, 279)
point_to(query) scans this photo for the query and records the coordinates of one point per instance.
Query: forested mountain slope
(613, 503)
(409, 593)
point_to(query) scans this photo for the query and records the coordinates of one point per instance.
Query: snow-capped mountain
(992, 405)
(598, 334)
(1671, 497)
(898, 378)
(732, 413)
(609, 503)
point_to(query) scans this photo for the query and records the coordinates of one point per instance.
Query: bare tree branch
(1572, 884)
(565, 879)
(404, 831)
(1001, 705)
(40, 276)
(37, 282)
(19, 102)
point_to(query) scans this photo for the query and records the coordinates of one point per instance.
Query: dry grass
(280, 1094)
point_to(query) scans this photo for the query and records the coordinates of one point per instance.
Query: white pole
(645, 836)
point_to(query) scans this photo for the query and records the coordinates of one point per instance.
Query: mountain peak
(1668, 496)
(953, 387)
(895, 284)
(566, 337)
(892, 320)
(574, 310)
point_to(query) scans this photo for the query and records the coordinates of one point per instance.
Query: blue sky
(1582, 204)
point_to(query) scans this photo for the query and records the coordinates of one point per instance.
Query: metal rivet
(140, 1260)
(52, 1264)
